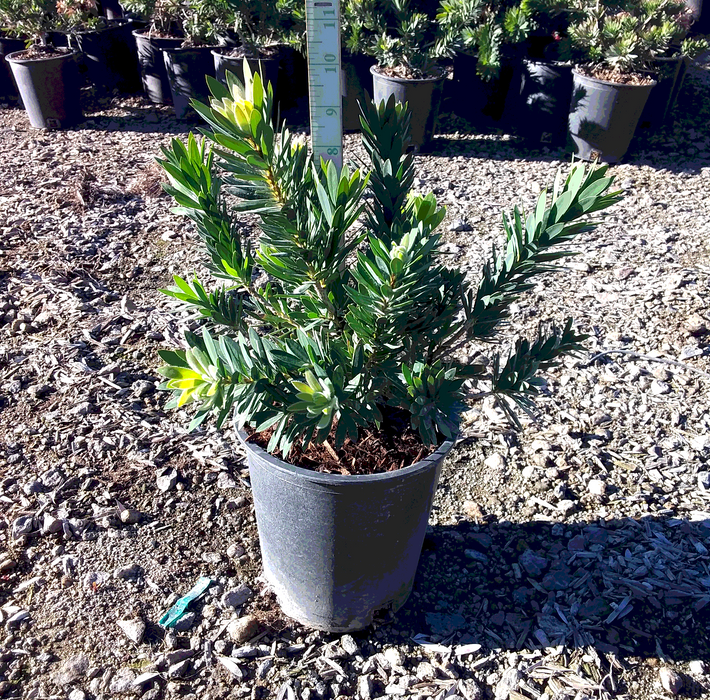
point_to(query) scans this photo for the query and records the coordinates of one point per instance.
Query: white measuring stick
(324, 89)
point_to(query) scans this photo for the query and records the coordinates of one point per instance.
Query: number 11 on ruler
(324, 88)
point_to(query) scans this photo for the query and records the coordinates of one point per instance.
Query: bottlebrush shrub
(360, 311)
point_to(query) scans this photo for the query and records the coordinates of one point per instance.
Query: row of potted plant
(586, 70)
(625, 53)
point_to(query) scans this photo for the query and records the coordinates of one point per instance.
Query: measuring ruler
(324, 87)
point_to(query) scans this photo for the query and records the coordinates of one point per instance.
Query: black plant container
(268, 68)
(110, 56)
(356, 76)
(663, 96)
(292, 86)
(545, 93)
(424, 99)
(49, 88)
(336, 549)
(603, 117)
(154, 75)
(482, 102)
(187, 71)
(8, 89)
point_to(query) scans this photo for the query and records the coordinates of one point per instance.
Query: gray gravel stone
(72, 669)
(671, 680)
(133, 629)
(186, 622)
(121, 682)
(236, 597)
(533, 563)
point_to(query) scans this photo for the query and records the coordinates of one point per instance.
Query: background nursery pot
(187, 70)
(338, 548)
(8, 89)
(603, 117)
(268, 68)
(110, 57)
(49, 88)
(662, 98)
(152, 66)
(423, 95)
(545, 92)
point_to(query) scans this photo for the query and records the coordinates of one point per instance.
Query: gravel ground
(568, 560)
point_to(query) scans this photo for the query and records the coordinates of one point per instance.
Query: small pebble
(671, 680)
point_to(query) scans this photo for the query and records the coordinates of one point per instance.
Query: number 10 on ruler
(324, 91)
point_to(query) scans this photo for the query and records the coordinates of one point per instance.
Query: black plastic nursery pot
(662, 98)
(423, 96)
(545, 93)
(337, 549)
(268, 68)
(356, 77)
(482, 102)
(8, 89)
(49, 88)
(154, 75)
(187, 71)
(292, 86)
(110, 56)
(603, 117)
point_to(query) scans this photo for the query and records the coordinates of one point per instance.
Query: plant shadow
(680, 145)
(628, 587)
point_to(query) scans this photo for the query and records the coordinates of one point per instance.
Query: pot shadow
(681, 145)
(630, 587)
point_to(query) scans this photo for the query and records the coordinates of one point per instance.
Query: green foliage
(627, 35)
(360, 311)
(483, 28)
(31, 20)
(200, 22)
(394, 32)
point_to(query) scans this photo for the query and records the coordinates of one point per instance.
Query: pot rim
(342, 479)
(219, 51)
(21, 61)
(145, 33)
(576, 71)
(543, 62)
(118, 23)
(375, 70)
(187, 49)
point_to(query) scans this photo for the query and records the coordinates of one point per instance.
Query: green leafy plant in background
(481, 28)
(261, 25)
(627, 36)
(199, 22)
(360, 314)
(393, 32)
(29, 20)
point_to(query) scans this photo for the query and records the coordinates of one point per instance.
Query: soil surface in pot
(35, 53)
(394, 446)
(404, 73)
(613, 76)
(243, 52)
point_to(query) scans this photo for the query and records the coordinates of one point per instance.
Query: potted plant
(403, 44)
(47, 78)
(9, 43)
(546, 80)
(257, 27)
(670, 68)
(163, 32)
(204, 26)
(106, 45)
(616, 44)
(341, 369)
(484, 39)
